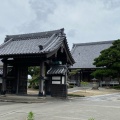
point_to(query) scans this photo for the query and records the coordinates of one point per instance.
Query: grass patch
(30, 116)
(91, 119)
(74, 95)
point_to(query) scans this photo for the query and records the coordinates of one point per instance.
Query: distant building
(84, 55)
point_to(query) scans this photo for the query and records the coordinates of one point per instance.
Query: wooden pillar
(66, 79)
(81, 77)
(41, 81)
(47, 81)
(18, 78)
(78, 82)
(4, 77)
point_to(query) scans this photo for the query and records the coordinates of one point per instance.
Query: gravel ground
(90, 92)
(83, 91)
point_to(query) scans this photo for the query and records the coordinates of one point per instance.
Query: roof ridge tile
(93, 43)
(34, 35)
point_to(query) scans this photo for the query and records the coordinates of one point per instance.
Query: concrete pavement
(57, 109)
(35, 99)
(101, 107)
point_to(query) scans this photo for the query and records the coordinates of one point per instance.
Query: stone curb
(15, 101)
(21, 100)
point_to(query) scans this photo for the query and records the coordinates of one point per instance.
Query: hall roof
(35, 44)
(85, 53)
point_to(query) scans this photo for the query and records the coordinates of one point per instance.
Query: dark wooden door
(22, 79)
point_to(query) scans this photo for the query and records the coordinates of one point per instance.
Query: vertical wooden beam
(81, 75)
(66, 79)
(18, 78)
(78, 82)
(46, 81)
(41, 81)
(4, 77)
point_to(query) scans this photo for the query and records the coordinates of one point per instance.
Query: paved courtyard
(102, 107)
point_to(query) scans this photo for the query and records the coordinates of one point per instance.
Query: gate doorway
(33, 80)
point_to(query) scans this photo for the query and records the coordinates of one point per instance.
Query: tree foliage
(33, 71)
(35, 74)
(109, 61)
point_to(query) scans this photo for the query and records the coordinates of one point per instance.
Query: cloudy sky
(83, 20)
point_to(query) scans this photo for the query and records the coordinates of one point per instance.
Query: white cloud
(13, 13)
(83, 20)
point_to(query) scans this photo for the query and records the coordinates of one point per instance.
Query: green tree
(108, 62)
(35, 74)
(33, 70)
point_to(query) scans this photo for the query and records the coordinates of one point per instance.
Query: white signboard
(56, 78)
(0, 80)
(63, 80)
(55, 82)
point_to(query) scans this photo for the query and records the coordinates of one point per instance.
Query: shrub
(36, 87)
(84, 83)
(29, 86)
(116, 87)
(70, 86)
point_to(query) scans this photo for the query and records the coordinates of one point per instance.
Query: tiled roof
(57, 70)
(35, 44)
(29, 43)
(85, 53)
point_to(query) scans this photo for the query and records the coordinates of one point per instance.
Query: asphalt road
(100, 108)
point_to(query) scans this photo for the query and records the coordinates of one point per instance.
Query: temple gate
(18, 52)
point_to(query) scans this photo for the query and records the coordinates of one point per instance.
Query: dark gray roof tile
(35, 43)
(29, 43)
(57, 70)
(85, 53)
